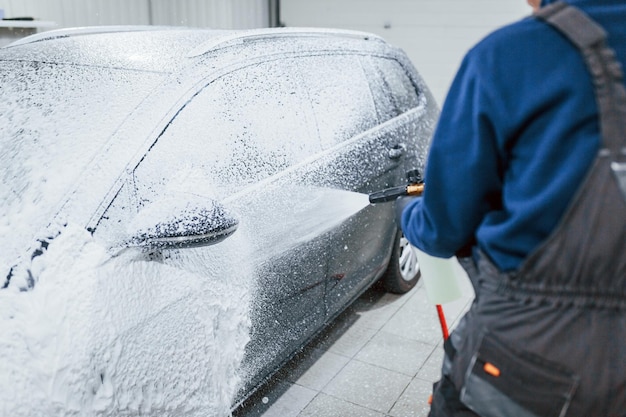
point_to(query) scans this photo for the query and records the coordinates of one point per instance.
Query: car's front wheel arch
(403, 271)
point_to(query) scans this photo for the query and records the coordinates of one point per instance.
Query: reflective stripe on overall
(550, 338)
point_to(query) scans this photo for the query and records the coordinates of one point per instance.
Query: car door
(362, 107)
(226, 144)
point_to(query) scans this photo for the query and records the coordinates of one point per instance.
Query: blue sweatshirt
(517, 133)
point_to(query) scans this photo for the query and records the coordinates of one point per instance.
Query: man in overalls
(525, 183)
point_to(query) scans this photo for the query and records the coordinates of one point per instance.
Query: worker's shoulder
(523, 39)
(519, 33)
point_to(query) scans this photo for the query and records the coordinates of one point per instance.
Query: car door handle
(396, 151)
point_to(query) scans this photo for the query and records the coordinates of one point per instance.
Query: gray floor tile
(367, 385)
(345, 338)
(419, 299)
(431, 371)
(414, 400)
(375, 312)
(416, 320)
(316, 368)
(291, 401)
(327, 406)
(395, 353)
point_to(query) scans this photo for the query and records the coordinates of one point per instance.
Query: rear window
(340, 96)
(394, 92)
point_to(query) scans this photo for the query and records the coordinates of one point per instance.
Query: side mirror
(181, 223)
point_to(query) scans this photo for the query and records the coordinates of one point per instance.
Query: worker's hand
(400, 204)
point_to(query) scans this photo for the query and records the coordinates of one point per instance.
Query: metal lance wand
(415, 187)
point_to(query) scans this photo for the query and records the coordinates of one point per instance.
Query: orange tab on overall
(491, 369)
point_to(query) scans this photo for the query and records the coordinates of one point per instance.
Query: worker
(523, 185)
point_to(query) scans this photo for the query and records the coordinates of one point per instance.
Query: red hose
(442, 322)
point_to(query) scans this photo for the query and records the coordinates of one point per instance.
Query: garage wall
(435, 34)
(222, 14)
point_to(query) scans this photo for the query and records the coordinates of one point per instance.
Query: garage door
(434, 33)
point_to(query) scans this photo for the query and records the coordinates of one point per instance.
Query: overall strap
(582, 262)
(606, 71)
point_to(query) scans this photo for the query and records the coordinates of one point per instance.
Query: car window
(393, 90)
(241, 128)
(340, 96)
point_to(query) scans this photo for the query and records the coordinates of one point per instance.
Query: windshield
(54, 121)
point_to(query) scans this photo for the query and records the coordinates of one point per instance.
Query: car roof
(158, 48)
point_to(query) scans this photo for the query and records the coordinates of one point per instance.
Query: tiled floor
(378, 359)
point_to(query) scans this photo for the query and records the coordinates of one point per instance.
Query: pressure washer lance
(414, 188)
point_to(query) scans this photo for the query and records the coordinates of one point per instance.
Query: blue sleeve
(463, 179)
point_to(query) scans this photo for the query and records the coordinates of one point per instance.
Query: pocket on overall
(503, 382)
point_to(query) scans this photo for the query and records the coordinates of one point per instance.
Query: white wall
(222, 14)
(219, 14)
(435, 34)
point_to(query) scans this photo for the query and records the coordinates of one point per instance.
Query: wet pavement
(377, 359)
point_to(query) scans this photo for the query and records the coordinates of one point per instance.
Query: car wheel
(403, 271)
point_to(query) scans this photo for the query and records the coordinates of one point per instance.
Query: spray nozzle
(414, 187)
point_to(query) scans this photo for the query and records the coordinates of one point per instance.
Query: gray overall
(550, 338)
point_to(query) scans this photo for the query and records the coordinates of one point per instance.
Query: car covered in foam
(183, 209)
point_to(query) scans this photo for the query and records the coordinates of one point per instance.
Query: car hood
(55, 121)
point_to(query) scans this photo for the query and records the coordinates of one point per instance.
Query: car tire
(403, 270)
